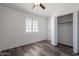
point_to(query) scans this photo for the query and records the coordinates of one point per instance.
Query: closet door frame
(75, 31)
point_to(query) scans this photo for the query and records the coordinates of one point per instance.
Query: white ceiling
(51, 8)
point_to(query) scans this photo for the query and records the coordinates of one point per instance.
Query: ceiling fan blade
(42, 6)
(33, 7)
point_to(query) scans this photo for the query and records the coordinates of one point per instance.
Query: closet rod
(65, 22)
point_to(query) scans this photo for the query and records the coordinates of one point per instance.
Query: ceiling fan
(39, 5)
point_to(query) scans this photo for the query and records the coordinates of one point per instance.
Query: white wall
(49, 29)
(75, 32)
(14, 33)
(52, 30)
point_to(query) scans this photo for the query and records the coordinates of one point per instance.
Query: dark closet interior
(65, 29)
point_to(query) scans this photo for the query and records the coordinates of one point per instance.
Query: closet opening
(65, 32)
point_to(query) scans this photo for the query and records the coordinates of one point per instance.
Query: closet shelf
(65, 22)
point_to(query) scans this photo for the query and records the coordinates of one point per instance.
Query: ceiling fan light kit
(38, 5)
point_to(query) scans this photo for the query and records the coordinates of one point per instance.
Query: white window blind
(31, 25)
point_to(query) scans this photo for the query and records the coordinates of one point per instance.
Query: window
(31, 25)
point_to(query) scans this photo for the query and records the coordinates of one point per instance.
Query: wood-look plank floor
(42, 48)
